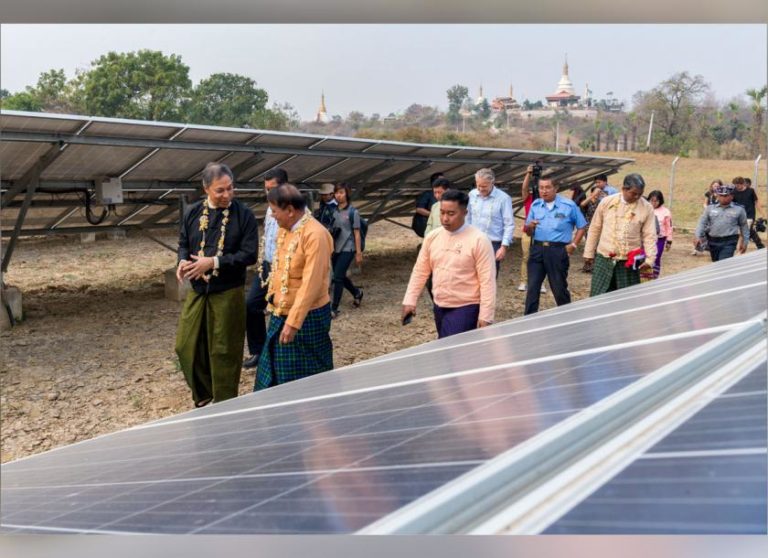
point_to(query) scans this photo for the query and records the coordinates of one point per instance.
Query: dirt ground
(94, 353)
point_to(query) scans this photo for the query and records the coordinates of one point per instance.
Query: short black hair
(434, 176)
(214, 171)
(287, 194)
(278, 174)
(456, 195)
(747, 181)
(634, 180)
(602, 177)
(441, 183)
(658, 195)
(347, 187)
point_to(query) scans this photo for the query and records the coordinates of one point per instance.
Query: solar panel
(707, 476)
(66, 154)
(350, 449)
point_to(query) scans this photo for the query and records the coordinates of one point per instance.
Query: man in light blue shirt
(551, 222)
(490, 210)
(601, 181)
(256, 303)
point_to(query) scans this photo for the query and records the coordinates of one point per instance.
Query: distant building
(322, 114)
(505, 103)
(565, 95)
(480, 99)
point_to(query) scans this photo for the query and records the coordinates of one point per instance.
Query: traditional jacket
(618, 227)
(241, 243)
(307, 280)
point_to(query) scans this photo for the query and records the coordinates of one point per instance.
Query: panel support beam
(30, 181)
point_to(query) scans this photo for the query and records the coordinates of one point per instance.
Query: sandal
(358, 299)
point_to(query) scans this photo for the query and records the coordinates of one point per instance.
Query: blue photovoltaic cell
(706, 477)
(335, 452)
(329, 466)
(582, 326)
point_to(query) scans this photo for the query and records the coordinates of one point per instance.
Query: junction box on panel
(109, 192)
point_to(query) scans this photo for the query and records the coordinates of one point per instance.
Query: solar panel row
(352, 448)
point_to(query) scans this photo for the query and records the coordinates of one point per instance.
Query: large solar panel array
(49, 162)
(458, 435)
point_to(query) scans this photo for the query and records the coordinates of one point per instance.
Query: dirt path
(95, 351)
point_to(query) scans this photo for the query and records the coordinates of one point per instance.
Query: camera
(535, 176)
(760, 225)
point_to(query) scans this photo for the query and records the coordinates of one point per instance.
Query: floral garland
(264, 281)
(621, 227)
(287, 261)
(204, 222)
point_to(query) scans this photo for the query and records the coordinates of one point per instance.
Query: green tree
(24, 100)
(356, 119)
(280, 117)
(758, 112)
(483, 110)
(145, 85)
(225, 100)
(456, 97)
(674, 102)
(52, 93)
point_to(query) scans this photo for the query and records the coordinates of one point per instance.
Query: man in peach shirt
(461, 261)
(298, 342)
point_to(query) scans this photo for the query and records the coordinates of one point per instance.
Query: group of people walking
(305, 257)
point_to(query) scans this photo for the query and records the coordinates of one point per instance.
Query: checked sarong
(310, 352)
(609, 275)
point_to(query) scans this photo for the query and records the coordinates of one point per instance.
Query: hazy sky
(384, 68)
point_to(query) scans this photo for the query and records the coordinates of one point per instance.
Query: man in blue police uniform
(551, 223)
(724, 226)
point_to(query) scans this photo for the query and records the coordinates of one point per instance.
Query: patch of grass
(692, 178)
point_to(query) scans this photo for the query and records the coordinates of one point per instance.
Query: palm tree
(757, 96)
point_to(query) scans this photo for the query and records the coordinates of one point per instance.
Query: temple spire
(322, 113)
(322, 102)
(565, 66)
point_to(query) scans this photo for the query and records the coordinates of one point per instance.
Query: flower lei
(621, 227)
(204, 222)
(287, 260)
(264, 281)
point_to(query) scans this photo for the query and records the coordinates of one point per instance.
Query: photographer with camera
(600, 190)
(746, 197)
(529, 193)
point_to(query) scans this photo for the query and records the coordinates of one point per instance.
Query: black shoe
(251, 362)
(358, 299)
